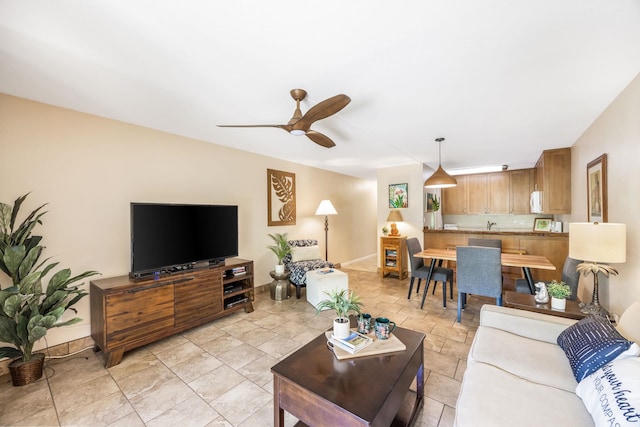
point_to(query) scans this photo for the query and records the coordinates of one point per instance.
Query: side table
(280, 286)
(528, 302)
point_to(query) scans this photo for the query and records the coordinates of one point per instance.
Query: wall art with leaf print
(281, 198)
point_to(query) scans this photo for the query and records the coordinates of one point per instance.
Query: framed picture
(597, 190)
(399, 195)
(281, 198)
(542, 224)
(430, 200)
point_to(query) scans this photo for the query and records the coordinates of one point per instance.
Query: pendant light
(440, 179)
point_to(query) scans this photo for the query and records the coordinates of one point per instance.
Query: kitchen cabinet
(553, 178)
(454, 199)
(490, 193)
(521, 184)
(477, 194)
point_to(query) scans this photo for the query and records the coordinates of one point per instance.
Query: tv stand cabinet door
(136, 314)
(199, 297)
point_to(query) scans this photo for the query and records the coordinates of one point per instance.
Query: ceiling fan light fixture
(297, 132)
(440, 178)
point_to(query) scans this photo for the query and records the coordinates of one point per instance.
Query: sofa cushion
(305, 253)
(492, 397)
(590, 344)
(532, 360)
(612, 393)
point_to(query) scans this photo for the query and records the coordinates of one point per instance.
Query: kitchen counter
(553, 246)
(499, 231)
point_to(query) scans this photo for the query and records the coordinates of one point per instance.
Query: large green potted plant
(27, 310)
(343, 302)
(281, 249)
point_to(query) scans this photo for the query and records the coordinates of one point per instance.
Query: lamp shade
(598, 242)
(394, 216)
(326, 208)
(440, 179)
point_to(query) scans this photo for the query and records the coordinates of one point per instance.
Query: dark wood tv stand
(126, 314)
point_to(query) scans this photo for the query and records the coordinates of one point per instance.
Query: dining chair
(492, 243)
(421, 271)
(570, 276)
(479, 272)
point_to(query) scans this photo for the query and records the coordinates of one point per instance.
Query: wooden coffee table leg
(278, 412)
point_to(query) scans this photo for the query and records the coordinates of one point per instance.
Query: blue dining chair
(479, 272)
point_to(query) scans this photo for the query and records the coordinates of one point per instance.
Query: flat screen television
(175, 237)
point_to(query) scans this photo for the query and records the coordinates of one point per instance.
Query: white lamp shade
(598, 242)
(326, 208)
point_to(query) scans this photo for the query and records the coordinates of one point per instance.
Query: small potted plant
(281, 249)
(385, 230)
(559, 292)
(343, 302)
(435, 208)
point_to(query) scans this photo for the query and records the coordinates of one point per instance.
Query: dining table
(524, 261)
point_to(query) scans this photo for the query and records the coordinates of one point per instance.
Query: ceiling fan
(300, 124)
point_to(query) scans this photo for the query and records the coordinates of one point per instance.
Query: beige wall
(617, 133)
(412, 216)
(89, 169)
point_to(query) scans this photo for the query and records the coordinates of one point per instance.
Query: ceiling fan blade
(285, 127)
(322, 110)
(320, 139)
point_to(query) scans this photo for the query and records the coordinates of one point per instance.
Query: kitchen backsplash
(502, 222)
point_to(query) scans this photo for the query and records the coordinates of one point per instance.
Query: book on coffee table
(353, 343)
(377, 346)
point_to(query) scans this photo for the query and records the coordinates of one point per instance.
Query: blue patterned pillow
(590, 344)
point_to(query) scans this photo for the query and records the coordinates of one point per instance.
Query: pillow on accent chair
(593, 342)
(612, 393)
(305, 253)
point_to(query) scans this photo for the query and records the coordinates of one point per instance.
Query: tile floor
(219, 374)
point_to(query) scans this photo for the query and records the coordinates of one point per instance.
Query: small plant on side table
(559, 292)
(343, 302)
(281, 249)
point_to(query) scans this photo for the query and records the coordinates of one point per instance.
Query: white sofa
(518, 375)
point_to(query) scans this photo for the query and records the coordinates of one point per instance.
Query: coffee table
(528, 302)
(320, 390)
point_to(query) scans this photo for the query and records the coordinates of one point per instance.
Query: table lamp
(596, 243)
(326, 208)
(393, 217)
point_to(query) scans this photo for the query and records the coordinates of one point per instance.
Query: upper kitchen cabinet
(520, 187)
(454, 199)
(553, 178)
(488, 193)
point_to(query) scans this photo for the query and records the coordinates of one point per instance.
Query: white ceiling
(500, 79)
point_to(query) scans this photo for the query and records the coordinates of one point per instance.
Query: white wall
(617, 133)
(89, 169)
